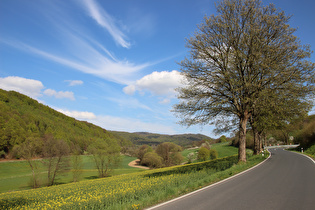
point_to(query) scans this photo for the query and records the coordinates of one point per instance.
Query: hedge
(217, 164)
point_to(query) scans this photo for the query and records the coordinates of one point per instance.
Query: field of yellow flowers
(100, 193)
(129, 191)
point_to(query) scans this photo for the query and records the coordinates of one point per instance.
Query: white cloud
(106, 21)
(59, 94)
(29, 87)
(158, 83)
(74, 82)
(78, 115)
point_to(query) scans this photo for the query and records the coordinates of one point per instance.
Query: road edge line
(209, 186)
(305, 156)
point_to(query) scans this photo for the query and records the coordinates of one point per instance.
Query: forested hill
(22, 117)
(154, 139)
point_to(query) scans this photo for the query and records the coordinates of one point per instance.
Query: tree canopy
(246, 53)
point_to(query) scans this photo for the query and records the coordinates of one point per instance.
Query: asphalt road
(285, 181)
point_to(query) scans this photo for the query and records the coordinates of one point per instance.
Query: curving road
(284, 181)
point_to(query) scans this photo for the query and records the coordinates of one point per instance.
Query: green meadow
(128, 191)
(16, 175)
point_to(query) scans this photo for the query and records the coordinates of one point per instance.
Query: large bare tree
(244, 53)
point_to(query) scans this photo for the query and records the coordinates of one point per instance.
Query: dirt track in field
(135, 164)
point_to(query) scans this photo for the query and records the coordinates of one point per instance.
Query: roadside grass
(129, 191)
(16, 175)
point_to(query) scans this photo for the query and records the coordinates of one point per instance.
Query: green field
(224, 149)
(130, 191)
(16, 175)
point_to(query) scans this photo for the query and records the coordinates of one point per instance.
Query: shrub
(2, 154)
(213, 154)
(311, 150)
(152, 160)
(177, 158)
(203, 154)
(217, 164)
(142, 151)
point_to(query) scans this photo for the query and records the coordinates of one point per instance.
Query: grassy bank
(131, 191)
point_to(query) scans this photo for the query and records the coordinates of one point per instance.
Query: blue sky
(112, 63)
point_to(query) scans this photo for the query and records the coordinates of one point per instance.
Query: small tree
(203, 154)
(76, 162)
(223, 139)
(28, 150)
(213, 154)
(165, 150)
(56, 159)
(106, 155)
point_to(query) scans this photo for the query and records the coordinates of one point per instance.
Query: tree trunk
(33, 167)
(242, 141)
(256, 142)
(263, 142)
(260, 138)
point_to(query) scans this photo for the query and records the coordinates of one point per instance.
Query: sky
(112, 63)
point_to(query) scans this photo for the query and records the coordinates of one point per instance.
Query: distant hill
(140, 138)
(22, 117)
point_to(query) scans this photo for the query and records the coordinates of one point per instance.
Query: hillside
(154, 139)
(22, 117)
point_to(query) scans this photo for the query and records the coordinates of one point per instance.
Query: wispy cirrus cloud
(72, 44)
(86, 58)
(106, 21)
